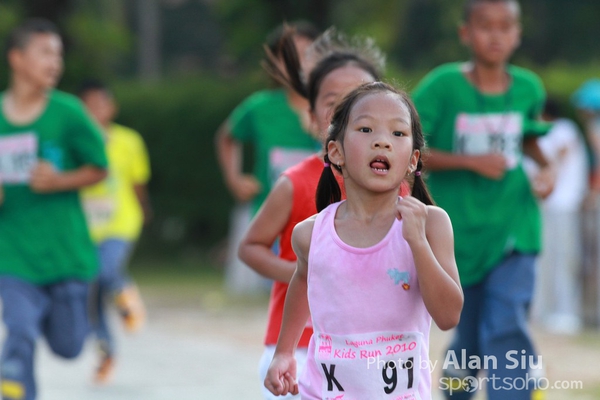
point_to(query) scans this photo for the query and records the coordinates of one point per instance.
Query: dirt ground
(209, 349)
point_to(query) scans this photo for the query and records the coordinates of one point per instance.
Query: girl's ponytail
(286, 52)
(419, 189)
(328, 189)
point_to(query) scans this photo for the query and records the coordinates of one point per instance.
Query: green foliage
(178, 119)
(9, 18)
(95, 47)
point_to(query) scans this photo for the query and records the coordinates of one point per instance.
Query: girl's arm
(255, 248)
(281, 377)
(428, 231)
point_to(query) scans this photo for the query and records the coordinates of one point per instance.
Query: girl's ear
(335, 152)
(414, 160)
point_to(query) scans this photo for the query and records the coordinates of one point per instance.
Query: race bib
(18, 156)
(380, 365)
(281, 159)
(500, 133)
(99, 211)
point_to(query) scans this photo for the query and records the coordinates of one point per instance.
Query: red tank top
(304, 178)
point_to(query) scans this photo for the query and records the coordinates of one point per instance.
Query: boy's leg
(66, 324)
(508, 291)
(24, 306)
(98, 316)
(459, 383)
(114, 255)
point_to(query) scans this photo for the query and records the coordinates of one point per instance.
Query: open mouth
(380, 164)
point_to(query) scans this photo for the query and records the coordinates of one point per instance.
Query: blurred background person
(340, 65)
(480, 118)
(557, 302)
(275, 123)
(49, 149)
(116, 210)
(586, 100)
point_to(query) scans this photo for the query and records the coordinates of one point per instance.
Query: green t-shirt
(44, 237)
(491, 218)
(266, 120)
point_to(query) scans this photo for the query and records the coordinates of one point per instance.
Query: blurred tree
(54, 10)
(416, 33)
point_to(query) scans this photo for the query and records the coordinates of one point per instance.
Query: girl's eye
(398, 133)
(365, 130)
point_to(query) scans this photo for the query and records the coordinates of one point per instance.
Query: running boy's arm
(46, 179)
(255, 248)
(490, 165)
(428, 231)
(141, 193)
(281, 377)
(229, 152)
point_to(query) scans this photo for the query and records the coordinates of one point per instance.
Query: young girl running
(373, 269)
(342, 67)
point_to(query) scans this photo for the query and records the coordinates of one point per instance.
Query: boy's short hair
(470, 4)
(20, 36)
(92, 85)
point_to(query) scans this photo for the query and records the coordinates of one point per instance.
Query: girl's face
(492, 31)
(337, 84)
(377, 150)
(41, 61)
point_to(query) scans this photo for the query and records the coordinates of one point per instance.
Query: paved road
(189, 354)
(183, 355)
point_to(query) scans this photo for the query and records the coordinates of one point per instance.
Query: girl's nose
(382, 142)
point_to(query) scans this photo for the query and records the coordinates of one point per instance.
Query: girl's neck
(297, 102)
(489, 79)
(24, 102)
(366, 207)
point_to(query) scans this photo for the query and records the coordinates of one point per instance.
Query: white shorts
(263, 367)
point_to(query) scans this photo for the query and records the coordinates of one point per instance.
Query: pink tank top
(371, 327)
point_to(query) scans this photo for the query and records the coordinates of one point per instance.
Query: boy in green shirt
(480, 118)
(49, 148)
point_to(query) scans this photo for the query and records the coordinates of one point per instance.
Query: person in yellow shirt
(116, 209)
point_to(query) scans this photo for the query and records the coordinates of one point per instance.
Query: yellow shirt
(112, 207)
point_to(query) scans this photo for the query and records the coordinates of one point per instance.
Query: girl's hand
(413, 213)
(281, 376)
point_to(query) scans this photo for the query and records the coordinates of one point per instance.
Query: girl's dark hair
(330, 51)
(20, 36)
(328, 190)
